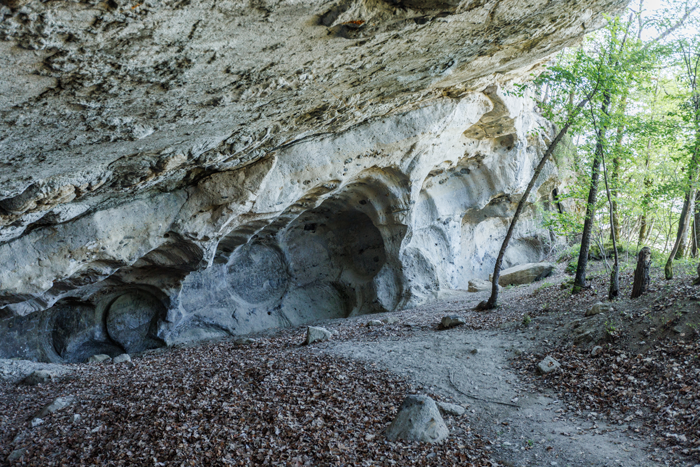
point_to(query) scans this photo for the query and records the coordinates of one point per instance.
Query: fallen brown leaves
(272, 403)
(654, 393)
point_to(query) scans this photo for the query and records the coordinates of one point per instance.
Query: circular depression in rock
(76, 334)
(132, 321)
(258, 274)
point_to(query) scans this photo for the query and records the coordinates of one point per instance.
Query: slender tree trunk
(492, 302)
(615, 170)
(580, 278)
(643, 231)
(614, 289)
(683, 246)
(693, 237)
(684, 221)
(696, 222)
(641, 274)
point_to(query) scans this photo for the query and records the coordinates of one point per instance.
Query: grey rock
(36, 422)
(450, 409)
(547, 365)
(77, 418)
(317, 334)
(452, 321)
(16, 455)
(480, 285)
(390, 320)
(599, 308)
(59, 403)
(38, 377)
(586, 337)
(20, 437)
(418, 419)
(524, 273)
(595, 351)
(123, 358)
(374, 322)
(99, 358)
(244, 341)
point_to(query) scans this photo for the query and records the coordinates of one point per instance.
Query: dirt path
(532, 434)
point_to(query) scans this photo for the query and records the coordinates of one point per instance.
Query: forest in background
(627, 101)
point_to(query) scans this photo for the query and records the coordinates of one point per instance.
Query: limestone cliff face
(173, 170)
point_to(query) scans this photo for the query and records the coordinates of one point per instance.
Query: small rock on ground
(391, 320)
(59, 403)
(418, 419)
(99, 358)
(547, 365)
(599, 308)
(450, 409)
(123, 358)
(244, 341)
(16, 455)
(480, 285)
(375, 322)
(37, 377)
(595, 351)
(316, 334)
(452, 321)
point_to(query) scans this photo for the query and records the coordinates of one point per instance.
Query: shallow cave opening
(77, 333)
(337, 251)
(353, 245)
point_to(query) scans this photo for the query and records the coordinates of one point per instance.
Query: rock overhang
(152, 140)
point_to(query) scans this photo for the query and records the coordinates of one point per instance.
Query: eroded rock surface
(173, 171)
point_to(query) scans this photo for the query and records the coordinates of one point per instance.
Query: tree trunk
(615, 170)
(683, 246)
(492, 302)
(643, 230)
(688, 208)
(641, 274)
(580, 278)
(693, 237)
(696, 223)
(614, 289)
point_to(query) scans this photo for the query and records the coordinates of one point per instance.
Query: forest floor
(277, 402)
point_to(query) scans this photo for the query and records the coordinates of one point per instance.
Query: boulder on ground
(99, 358)
(16, 455)
(244, 341)
(418, 420)
(316, 334)
(547, 365)
(58, 404)
(374, 322)
(450, 409)
(524, 274)
(480, 285)
(598, 308)
(123, 358)
(452, 321)
(37, 377)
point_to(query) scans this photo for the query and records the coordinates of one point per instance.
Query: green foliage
(646, 64)
(527, 320)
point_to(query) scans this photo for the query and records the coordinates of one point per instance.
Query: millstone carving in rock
(257, 274)
(132, 321)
